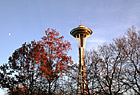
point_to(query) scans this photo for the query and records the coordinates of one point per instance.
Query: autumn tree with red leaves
(37, 66)
(54, 59)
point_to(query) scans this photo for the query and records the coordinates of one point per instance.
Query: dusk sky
(26, 20)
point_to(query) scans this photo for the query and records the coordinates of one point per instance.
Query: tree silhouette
(115, 68)
(35, 68)
(130, 48)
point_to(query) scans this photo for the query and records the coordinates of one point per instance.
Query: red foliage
(53, 54)
(33, 61)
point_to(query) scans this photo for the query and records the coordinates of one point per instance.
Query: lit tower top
(81, 32)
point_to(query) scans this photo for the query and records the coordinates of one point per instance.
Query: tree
(92, 61)
(22, 72)
(5, 80)
(131, 51)
(36, 66)
(114, 68)
(54, 59)
(104, 70)
(69, 82)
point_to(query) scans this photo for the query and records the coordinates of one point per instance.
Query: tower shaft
(82, 87)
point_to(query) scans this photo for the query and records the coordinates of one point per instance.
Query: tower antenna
(80, 22)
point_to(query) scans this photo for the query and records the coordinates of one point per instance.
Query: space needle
(81, 33)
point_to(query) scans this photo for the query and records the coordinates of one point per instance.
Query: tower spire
(80, 22)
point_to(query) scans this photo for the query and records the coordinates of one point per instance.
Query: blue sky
(26, 20)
